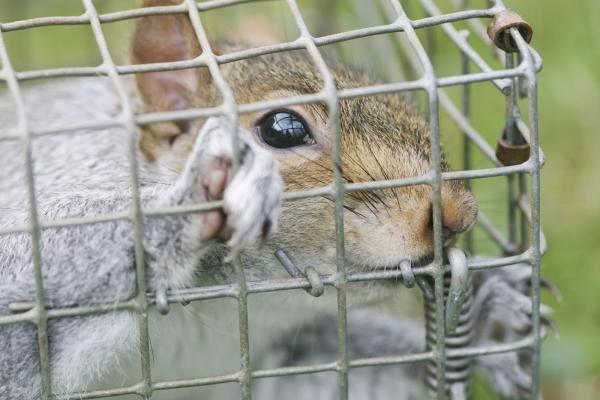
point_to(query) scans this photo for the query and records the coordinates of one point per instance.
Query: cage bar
(38, 313)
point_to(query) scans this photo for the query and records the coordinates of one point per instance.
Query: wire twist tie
(316, 288)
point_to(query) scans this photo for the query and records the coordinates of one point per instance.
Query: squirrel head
(381, 138)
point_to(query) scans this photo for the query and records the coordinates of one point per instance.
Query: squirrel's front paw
(503, 302)
(503, 307)
(251, 195)
(505, 373)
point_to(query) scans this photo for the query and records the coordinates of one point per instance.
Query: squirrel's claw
(552, 288)
(253, 198)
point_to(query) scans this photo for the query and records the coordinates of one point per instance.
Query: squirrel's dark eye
(283, 129)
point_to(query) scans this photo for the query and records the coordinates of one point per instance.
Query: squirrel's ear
(164, 38)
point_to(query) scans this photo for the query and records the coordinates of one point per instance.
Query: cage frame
(505, 80)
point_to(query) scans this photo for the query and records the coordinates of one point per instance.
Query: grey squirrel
(85, 173)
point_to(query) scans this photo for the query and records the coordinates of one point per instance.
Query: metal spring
(458, 369)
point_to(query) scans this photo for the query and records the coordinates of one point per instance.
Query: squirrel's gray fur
(84, 174)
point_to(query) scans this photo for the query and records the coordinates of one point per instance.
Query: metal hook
(408, 277)
(459, 279)
(162, 304)
(426, 288)
(317, 288)
(316, 284)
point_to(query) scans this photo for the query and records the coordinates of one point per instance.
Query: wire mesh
(529, 250)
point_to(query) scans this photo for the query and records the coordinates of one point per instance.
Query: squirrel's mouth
(423, 261)
(420, 262)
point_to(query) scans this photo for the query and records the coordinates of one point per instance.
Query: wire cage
(524, 242)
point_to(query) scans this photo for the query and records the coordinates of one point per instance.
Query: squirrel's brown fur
(381, 138)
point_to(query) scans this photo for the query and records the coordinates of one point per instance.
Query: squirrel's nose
(458, 214)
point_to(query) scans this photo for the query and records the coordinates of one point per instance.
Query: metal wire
(515, 247)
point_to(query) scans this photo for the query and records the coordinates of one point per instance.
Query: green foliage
(569, 98)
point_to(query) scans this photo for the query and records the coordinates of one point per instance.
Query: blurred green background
(567, 35)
